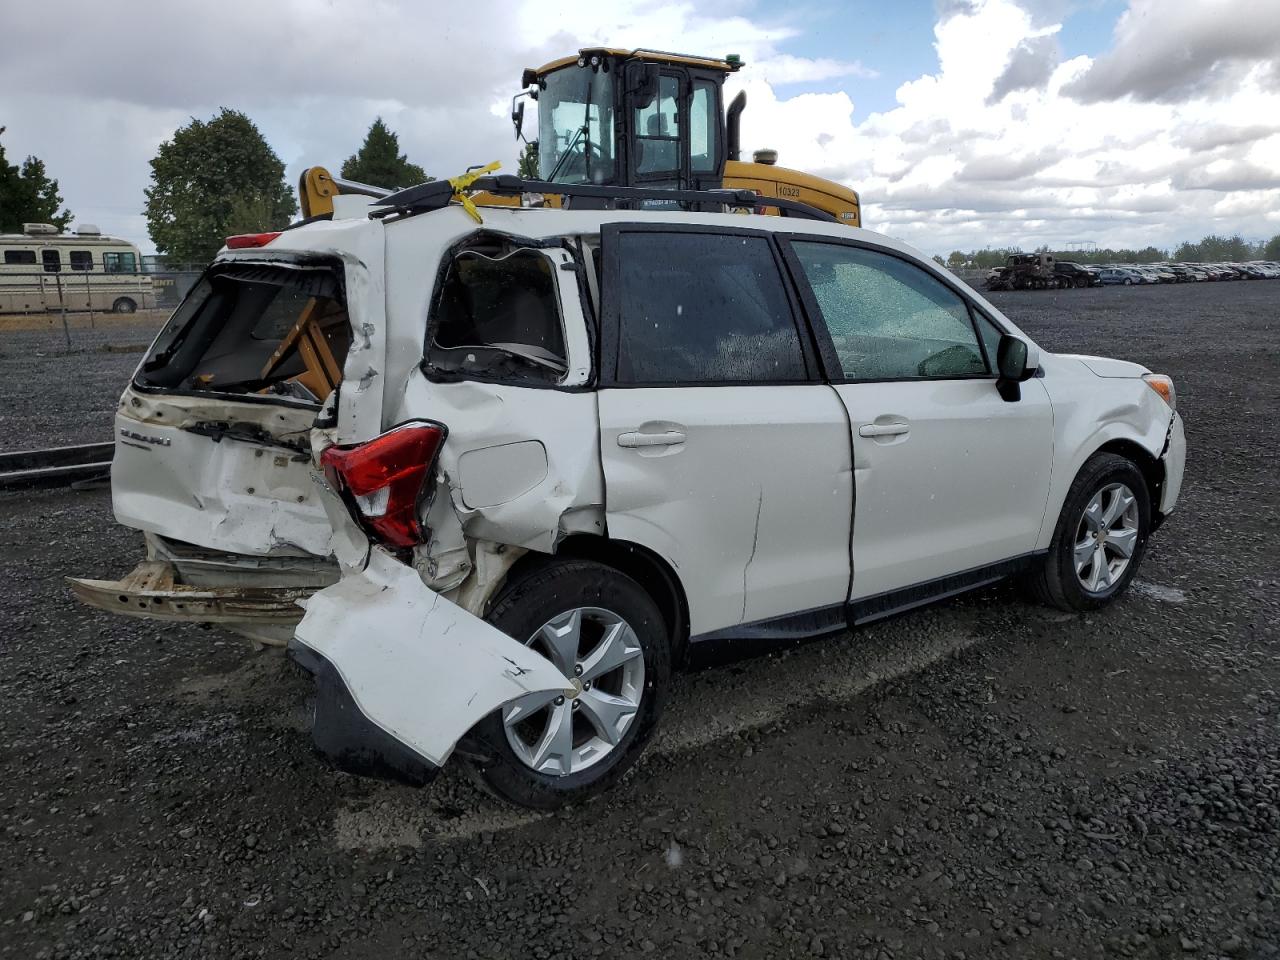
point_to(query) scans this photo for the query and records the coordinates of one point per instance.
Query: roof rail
(437, 194)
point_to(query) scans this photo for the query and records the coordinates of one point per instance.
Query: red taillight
(246, 240)
(385, 478)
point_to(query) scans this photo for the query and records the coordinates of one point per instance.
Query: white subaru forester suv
(513, 470)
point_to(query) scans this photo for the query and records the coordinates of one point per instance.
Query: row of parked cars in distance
(1187, 272)
(1043, 272)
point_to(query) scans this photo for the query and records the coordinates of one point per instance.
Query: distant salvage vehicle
(43, 270)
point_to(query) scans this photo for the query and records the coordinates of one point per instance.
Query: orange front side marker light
(1163, 385)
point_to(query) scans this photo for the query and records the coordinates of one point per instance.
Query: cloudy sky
(963, 123)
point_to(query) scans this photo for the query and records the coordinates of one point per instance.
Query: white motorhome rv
(43, 270)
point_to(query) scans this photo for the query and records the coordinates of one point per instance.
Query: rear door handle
(883, 429)
(635, 439)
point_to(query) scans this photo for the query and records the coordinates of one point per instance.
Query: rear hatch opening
(257, 330)
(213, 448)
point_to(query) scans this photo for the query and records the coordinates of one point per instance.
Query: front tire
(1100, 538)
(124, 305)
(605, 633)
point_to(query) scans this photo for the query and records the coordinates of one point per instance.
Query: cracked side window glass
(889, 319)
(701, 308)
(498, 315)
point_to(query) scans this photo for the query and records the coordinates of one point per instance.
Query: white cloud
(971, 156)
(1172, 52)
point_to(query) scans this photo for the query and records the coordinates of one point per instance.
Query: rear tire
(1085, 570)
(516, 753)
(124, 305)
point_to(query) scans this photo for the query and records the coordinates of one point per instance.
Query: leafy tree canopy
(527, 167)
(379, 161)
(214, 179)
(28, 195)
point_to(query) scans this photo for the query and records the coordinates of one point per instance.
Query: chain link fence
(86, 300)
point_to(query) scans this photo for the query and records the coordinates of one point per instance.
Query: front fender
(1088, 413)
(402, 673)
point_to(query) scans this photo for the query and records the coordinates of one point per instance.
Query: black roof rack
(437, 194)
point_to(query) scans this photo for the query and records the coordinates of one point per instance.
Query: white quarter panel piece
(528, 455)
(751, 508)
(950, 477)
(418, 666)
(491, 476)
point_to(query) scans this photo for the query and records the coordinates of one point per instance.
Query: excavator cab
(643, 119)
(632, 118)
(651, 119)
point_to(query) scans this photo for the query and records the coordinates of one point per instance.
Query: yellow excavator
(636, 119)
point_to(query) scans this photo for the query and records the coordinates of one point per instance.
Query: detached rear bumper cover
(402, 673)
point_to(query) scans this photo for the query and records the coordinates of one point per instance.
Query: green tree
(956, 260)
(1271, 249)
(212, 180)
(379, 161)
(28, 195)
(527, 167)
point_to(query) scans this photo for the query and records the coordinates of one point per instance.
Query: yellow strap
(460, 183)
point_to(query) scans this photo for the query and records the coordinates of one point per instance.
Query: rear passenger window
(498, 315)
(81, 260)
(703, 309)
(889, 319)
(19, 258)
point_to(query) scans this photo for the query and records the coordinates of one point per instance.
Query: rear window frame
(570, 245)
(303, 261)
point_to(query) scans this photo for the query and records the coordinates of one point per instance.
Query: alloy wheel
(601, 658)
(1106, 537)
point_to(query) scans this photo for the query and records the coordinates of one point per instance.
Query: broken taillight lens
(384, 479)
(246, 241)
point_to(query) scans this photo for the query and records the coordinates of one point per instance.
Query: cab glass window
(81, 259)
(575, 126)
(657, 130)
(889, 319)
(703, 309)
(703, 127)
(498, 316)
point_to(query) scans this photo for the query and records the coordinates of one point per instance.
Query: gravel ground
(55, 395)
(980, 779)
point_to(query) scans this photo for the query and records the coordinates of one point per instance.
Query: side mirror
(1015, 365)
(517, 116)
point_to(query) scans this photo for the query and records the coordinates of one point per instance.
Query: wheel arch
(1150, 466)
(639, 563)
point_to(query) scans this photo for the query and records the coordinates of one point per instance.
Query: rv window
(19, 258)
(249, 329)
(52, 260)
(81, 259)
(120, 263)
(497, 316)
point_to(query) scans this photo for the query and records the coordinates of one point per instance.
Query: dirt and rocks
(980, 779)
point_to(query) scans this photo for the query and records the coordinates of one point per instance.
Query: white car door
(951, 478)
(722, 451)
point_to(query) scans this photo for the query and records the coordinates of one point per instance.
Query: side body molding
(403, 673)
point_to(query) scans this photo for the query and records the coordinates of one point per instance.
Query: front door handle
(636, 439)
(883, 429)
